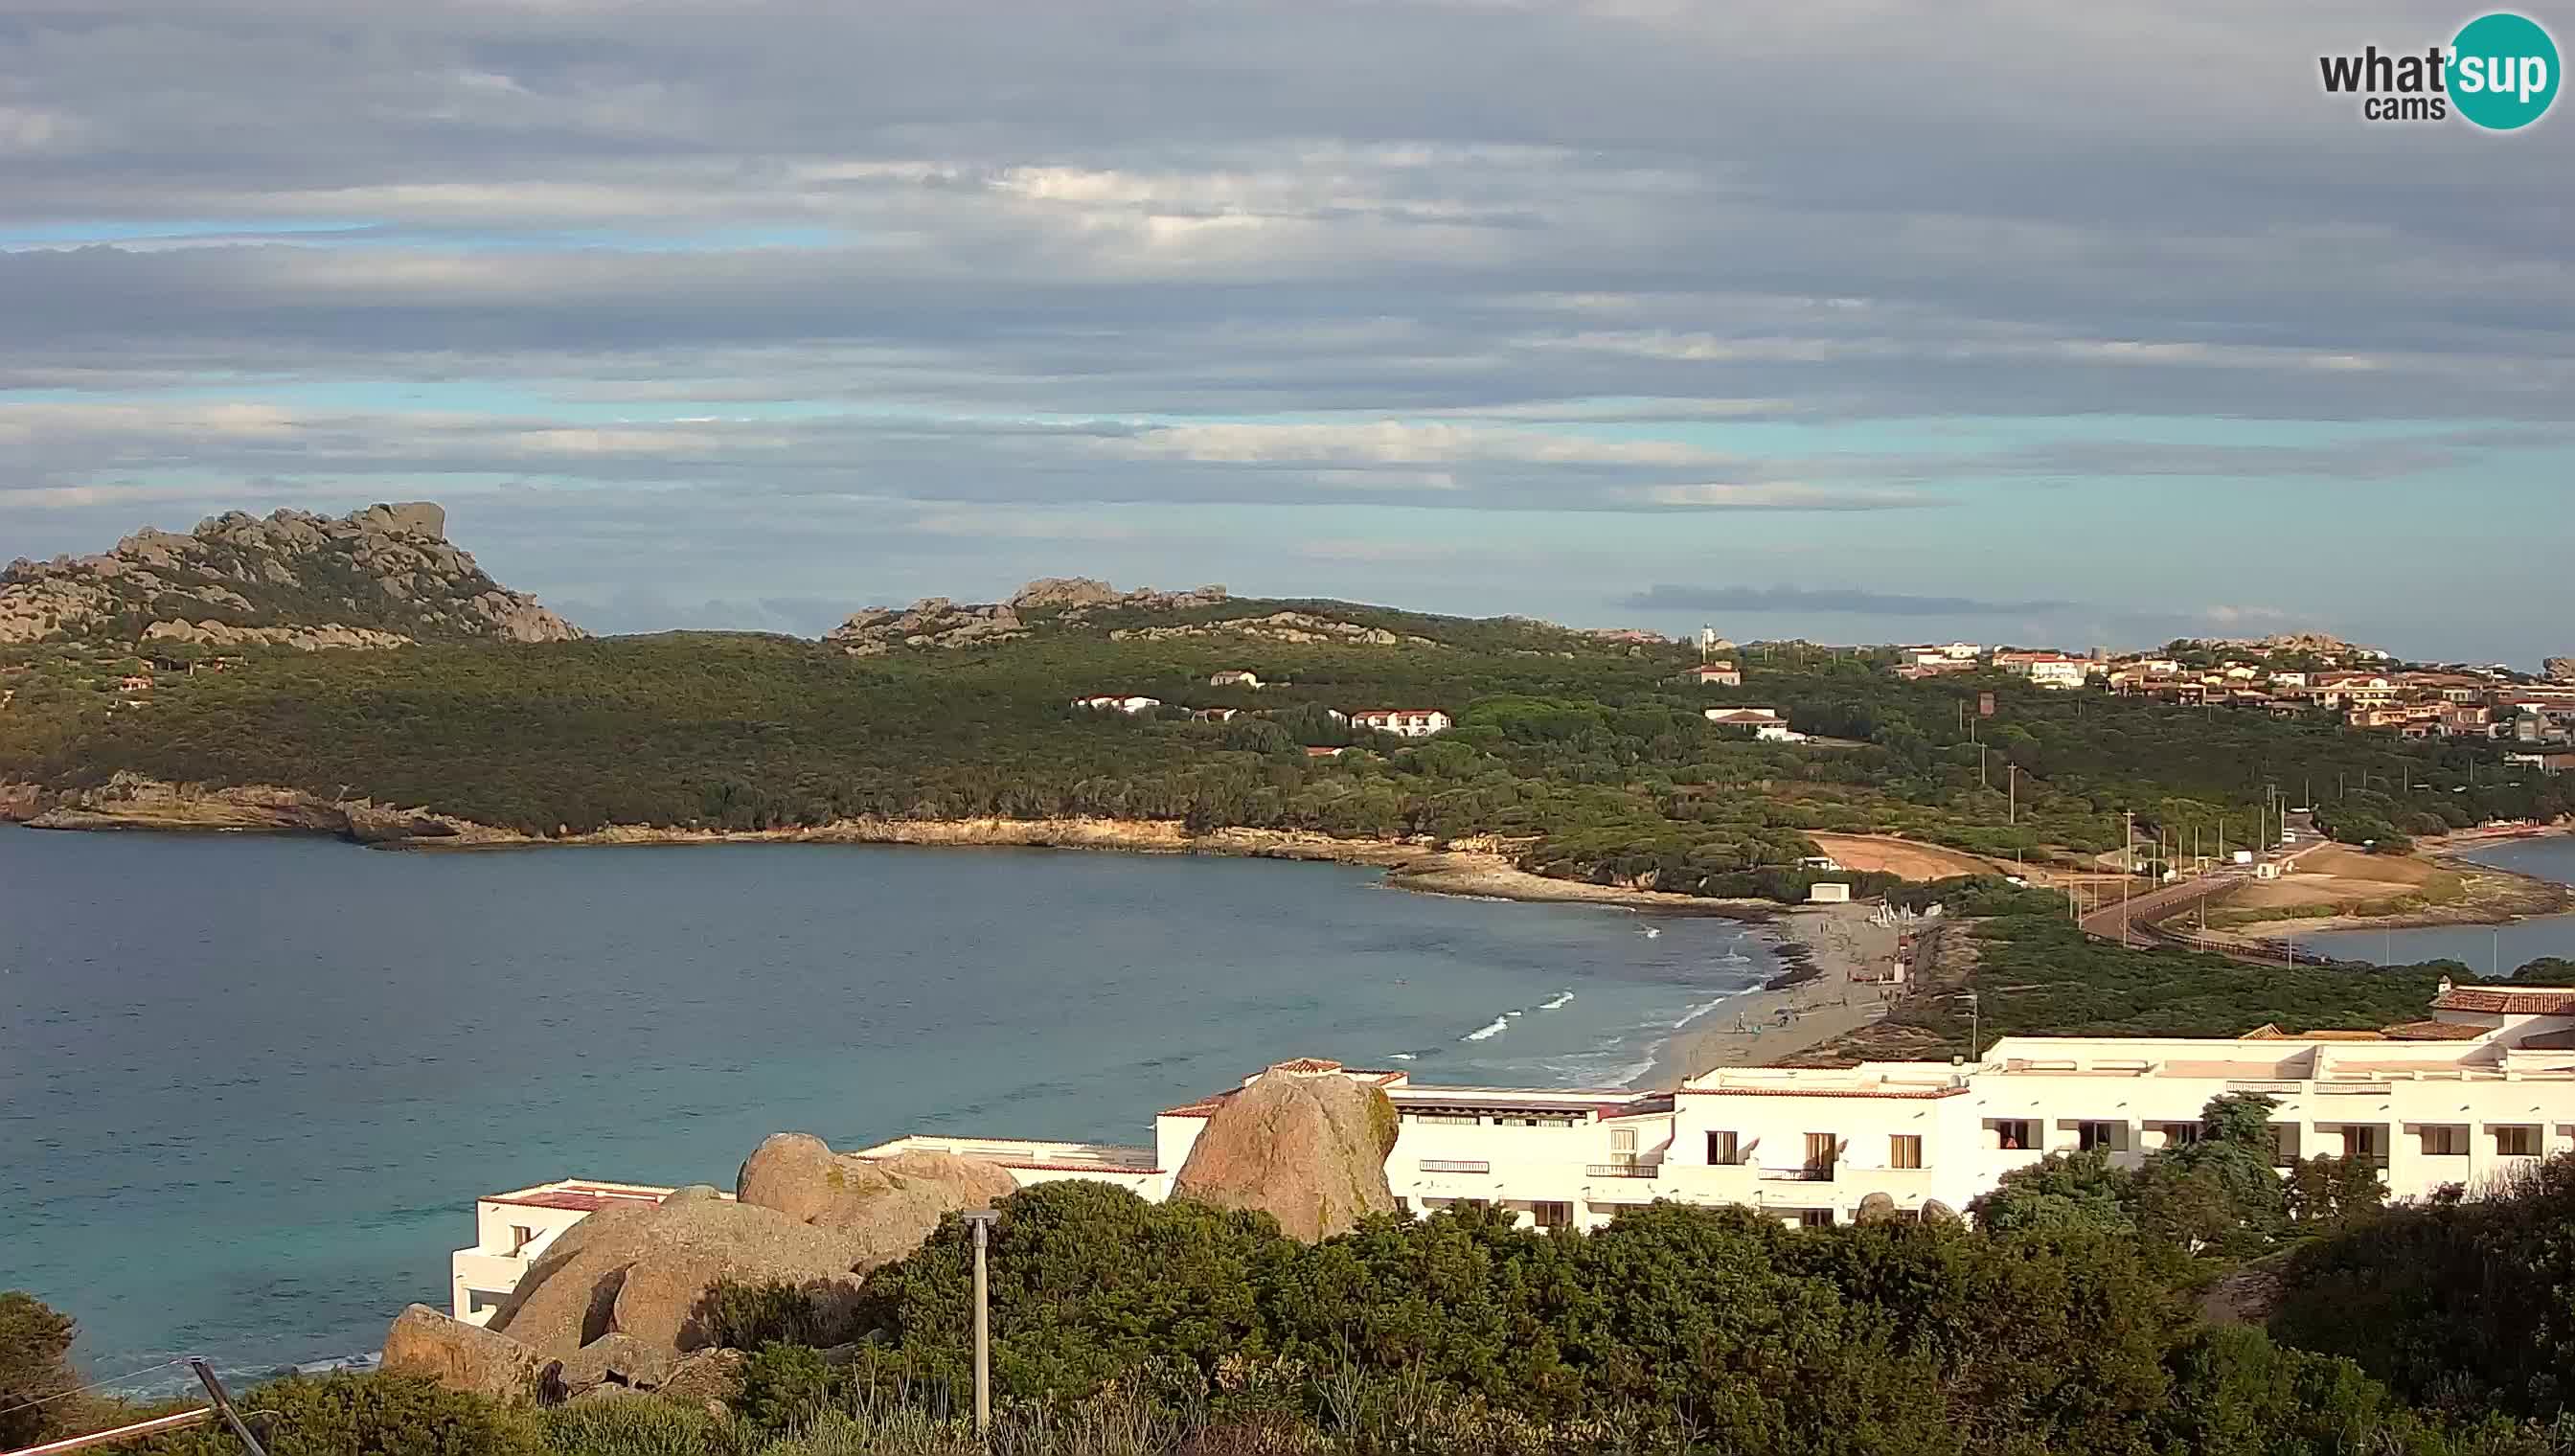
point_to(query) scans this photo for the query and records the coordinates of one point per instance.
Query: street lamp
(982, 1221)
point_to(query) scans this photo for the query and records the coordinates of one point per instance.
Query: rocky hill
(1080, 603)
(936, 622)
(2558, 670)
(383, 576)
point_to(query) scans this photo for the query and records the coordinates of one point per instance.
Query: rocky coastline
(1471, 868)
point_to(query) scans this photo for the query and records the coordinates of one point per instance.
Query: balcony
(1622, 1170)
(1810, 1173)
(1455, 1166)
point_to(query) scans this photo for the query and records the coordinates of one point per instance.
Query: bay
(251, 1086)
(2482, 949)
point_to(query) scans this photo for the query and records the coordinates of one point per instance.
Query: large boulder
(796, 1173)
(617, 1359)
(645, 1271)
(461, 1356)
(880, 1209)
(1304, 1142)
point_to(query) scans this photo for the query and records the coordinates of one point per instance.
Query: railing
(1624, 1171)
(1822, 1174)
(1455, 1166)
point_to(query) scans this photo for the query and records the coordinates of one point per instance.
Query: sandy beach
(1763, 1026)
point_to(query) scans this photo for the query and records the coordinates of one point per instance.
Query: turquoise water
(2483, 948)
(250, 1087)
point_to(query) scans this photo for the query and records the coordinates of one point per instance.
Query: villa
(2483, 1087)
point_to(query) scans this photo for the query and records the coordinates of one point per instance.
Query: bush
(35, 1368)
(639, 1426)
(372, 1414)
(742, 1315)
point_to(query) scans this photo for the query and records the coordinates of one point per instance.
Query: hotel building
(2481, 1089)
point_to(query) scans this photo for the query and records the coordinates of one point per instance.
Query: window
(1723, 1150)
(2097, 1137)
(1814, 1218)
(2516, 1142)
(2180, 1135)
(1551, 1216)
(2361, 1140)
(1904, 1150)
(2445, 1143)
(2014, 1134)
(520, 1236)
(1820, 1150)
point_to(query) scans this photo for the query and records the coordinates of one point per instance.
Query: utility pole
(224, 1406)
(2129, 875)
(981, 1220)
(2011, 772)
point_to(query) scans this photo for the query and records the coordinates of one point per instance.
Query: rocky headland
(384, 577)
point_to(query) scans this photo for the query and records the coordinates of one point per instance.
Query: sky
(2033, 323)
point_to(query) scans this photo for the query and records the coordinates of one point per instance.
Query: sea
(250, 1087)
(2486, 950)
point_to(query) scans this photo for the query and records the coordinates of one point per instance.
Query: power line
(93, 1385)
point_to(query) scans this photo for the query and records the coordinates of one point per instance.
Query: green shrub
(370, 1414)
(639, 1425)
(35, 1368)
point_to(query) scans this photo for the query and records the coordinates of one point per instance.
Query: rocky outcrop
(613, 1359)
(377, 577)
(460, 1356)
(1278, 627)
(880, 1209)
(1304, 1142)
(621, 1296)
(131, 801)
(936, 622)
(645, 1272)
(2558, 670)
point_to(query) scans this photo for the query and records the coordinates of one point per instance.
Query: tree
(35, 1367)
(2060, 1191)
(2217, 1195)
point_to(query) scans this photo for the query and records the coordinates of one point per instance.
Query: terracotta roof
(1306, 1064)
(2436, 1031)
(2533, 1001)
(576, 1200)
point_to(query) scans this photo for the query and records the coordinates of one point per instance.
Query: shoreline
(2496, 896)
(1474, 867)
(1759, 1026)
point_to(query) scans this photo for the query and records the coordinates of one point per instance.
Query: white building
(1116, 703)
(2483, 1089)
(512, 1230)
(1719, 674)
(1405, 723)
(1234, 678)
(1766, 724)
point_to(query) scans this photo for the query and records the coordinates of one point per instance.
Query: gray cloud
(803, 289)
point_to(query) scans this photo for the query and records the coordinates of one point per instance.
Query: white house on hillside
(1719, 675)
(1406, 722)
(1115, 702)
(1766, 725)
(1234, 678)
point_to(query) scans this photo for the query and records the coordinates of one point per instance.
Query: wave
(1488, 1030)
(1402, 1057)
(1554, 1001)
(1703, 1010)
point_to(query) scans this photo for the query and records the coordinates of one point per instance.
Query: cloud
(1838, 600)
